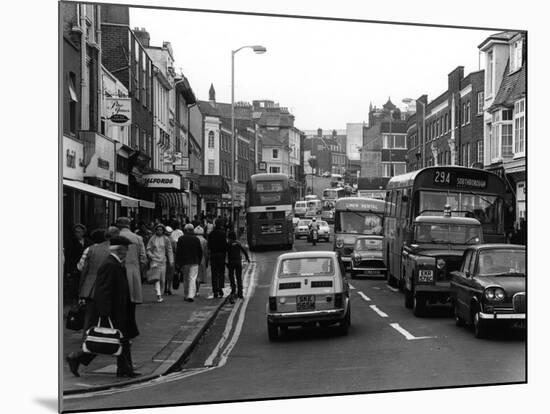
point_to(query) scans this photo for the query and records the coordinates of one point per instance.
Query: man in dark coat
(217, 244)
(188, 259)
(111, 301)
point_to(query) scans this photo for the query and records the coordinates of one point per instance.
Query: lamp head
(259, 49)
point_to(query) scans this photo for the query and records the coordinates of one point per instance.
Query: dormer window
(489, 76)
(516, 50)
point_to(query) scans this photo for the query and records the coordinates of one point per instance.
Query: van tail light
(338, 300)
(272, 303)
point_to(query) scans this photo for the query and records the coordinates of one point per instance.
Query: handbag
(75, 317)
(103, 340)
(152, 274)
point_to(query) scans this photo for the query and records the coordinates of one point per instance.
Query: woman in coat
(201, 278)
(160, 254)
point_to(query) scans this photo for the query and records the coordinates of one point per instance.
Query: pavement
(168, 333)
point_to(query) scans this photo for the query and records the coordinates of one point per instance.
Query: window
(274, 170)
(480, 103)
(210, 166)
(480, 151)
(446, 126)
(400, 142)
(489, 73)
(136, 69)
(516, 49)
(468, 109)
(463, 114)
(73, 99)
(275, 154)
(211, 139)
(386, 169)
(506, 136)
(399, 168)
(519, 127)
(468, 160)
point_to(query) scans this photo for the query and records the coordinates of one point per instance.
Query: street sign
(262, 165)
(184, 166)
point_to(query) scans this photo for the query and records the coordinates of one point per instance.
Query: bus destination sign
(459, 179)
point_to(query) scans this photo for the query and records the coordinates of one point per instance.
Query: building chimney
(319, 132)
(143, 36)
(212, 94)
(334, 133)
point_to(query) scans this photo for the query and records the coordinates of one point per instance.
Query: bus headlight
(339, 243)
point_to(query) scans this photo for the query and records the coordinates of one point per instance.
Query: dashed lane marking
(351, 286)
(409, 336)
(364, 296)
(392, 288)
(378, 311)
(376, 287)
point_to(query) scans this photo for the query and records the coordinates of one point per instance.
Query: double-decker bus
(269, 210)
(330, 195)
(355, 217)
(469, 192)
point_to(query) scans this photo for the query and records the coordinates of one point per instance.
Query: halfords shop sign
(162, 181)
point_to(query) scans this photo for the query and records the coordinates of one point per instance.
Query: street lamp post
(256, 49)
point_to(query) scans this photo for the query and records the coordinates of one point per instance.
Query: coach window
(398, 203)
(394, 203)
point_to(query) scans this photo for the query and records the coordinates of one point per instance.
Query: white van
(300, 208)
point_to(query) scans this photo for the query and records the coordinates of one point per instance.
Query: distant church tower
(212, 94)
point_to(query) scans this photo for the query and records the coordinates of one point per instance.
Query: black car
(489, 288)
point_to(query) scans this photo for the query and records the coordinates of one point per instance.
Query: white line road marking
(406, 334)
(392, 288)
(376, 287)
(378, 311)
(364, 296)
(351, 286)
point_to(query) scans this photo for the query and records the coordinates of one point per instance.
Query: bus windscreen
(485, 208)
(356, 222)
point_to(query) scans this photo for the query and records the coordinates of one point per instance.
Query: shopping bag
(103, 340)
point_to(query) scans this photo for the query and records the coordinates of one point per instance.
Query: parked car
(308, 289)
(489, 288)
(302, 228)
(367, 257)
(300, 208)
(295, 221)
(434, 251)
(323, 232)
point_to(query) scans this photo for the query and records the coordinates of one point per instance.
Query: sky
(327, 73)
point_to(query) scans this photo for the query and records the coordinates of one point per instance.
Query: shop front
(171, 199)
(214, 191)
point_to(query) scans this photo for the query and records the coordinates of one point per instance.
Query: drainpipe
(189, 148)
(98, 63)
(82, 62)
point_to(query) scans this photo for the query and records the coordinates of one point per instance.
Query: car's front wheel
(419, 304)
(272, 331)
(480, 327)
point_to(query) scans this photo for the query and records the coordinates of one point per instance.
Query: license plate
(425, 276)
(372, 272)
(305, 302)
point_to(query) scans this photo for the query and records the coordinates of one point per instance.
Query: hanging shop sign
(162, 181)
(119, 110)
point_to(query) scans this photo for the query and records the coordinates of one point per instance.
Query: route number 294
(442, 177)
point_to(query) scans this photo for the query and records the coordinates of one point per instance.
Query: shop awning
(124, 200)
(146, 204)
(168, 200)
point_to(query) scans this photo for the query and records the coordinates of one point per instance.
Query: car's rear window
(303, 223)
(310, 266)
(300, 204)
(323, 223)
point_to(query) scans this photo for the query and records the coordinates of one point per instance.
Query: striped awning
(168, 200)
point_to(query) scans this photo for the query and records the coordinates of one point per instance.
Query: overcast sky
(325, 72)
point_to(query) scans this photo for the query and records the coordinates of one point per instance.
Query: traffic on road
(337, 312)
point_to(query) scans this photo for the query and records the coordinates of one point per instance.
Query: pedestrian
(176, 233)
(234, 262)
(209, 226)
(111, 301)
(188, 259)
(170, 268)
(73, 249)
(92, 258)
(196, 221)
(201, 277)
(136, 264)
(159, 252)
(217, 246)
(144, 232)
